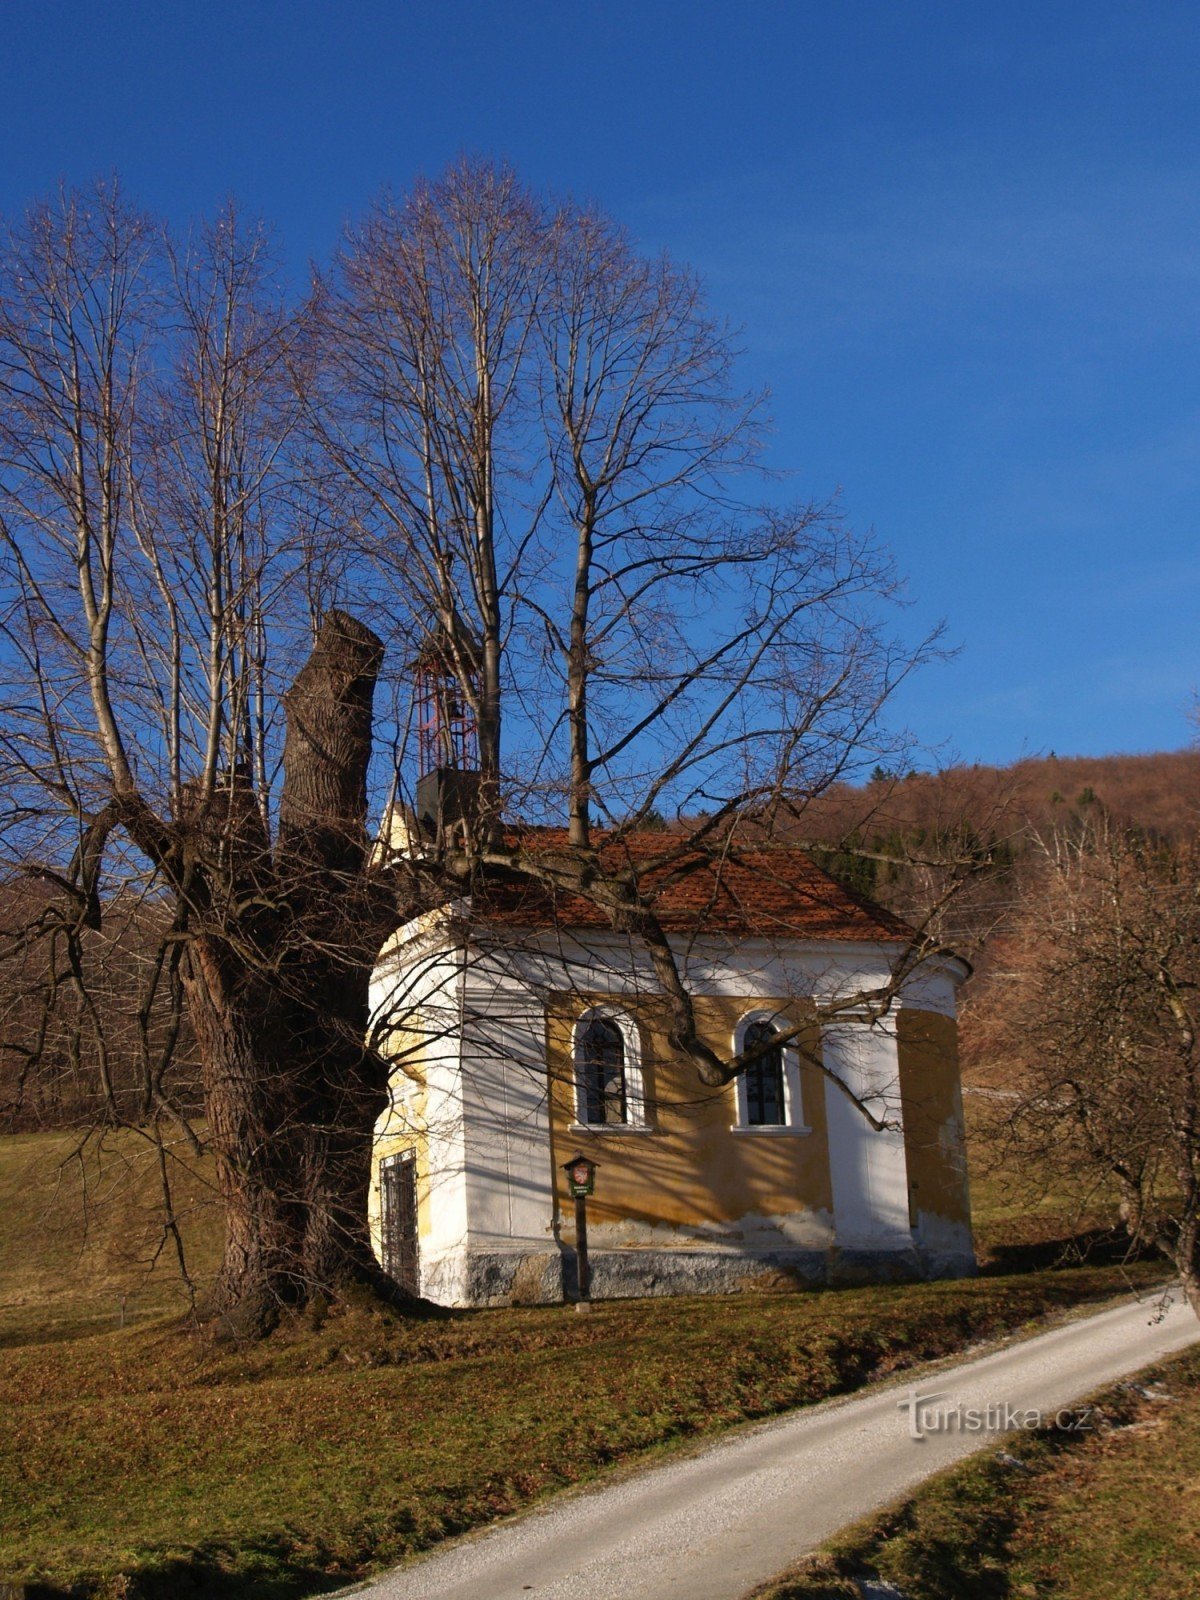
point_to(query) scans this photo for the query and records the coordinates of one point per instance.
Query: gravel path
(712, 1525)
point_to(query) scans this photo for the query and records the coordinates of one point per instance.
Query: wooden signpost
(581, 1180)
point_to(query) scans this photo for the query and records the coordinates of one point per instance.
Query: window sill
(769, 1131)
(619, 1128)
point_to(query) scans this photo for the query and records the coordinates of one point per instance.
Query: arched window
(608, 1079)
(768, 1090)
(602, 1070)
(766, 1105)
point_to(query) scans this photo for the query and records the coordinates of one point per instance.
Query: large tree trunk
(292, 1105)
(249, 1099)
(277, 988)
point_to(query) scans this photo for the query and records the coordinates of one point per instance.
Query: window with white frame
(608, 1070)
(768, 1089)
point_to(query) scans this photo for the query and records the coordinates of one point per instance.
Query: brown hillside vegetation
(1159, 792)
(92, 1026)
(1003, 814)
(887, 837)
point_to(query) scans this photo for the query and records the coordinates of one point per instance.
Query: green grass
(139, 1463)
(1110, 1514)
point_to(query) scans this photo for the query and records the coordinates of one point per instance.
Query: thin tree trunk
(1187, 1259)
(1132, 1212)
(577, 680)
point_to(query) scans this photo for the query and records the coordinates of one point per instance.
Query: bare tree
(1097, 1026)
(495, 428)
(418, 395)
(546, 444)
(145, 419)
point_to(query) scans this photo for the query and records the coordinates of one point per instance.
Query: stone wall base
(503, 1277)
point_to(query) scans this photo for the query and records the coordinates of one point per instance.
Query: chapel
(525, 1031)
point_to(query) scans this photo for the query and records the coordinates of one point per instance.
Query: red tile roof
(758, 891)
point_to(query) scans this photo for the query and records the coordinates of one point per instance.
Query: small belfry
(445, 703)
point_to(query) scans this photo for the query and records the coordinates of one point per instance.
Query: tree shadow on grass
(268, 1569)
(1092, 1247)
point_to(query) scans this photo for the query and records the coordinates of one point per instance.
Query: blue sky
(961, 241)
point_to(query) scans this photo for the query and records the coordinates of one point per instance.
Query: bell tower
(445, 681)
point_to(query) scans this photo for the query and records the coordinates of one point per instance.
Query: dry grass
(139, 1463)
(133, 1459)
(82, 1246)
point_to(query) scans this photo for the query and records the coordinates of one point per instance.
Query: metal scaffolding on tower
(446, 693)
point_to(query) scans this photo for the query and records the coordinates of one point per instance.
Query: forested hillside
(893, 838)
(1159, 791)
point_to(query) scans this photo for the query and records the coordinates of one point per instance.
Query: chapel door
(398, 1175)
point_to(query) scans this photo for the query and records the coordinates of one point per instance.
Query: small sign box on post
(581, 1180)
(581, 1175)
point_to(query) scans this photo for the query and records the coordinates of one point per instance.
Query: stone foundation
(514, 1278)
(502, 1277)
(949, 1263)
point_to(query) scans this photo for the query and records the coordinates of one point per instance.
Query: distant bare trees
(1097, 1023)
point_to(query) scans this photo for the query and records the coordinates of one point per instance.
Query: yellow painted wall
(693, 1175)
(693, 1171)
(402, 1127)
(931, 1101)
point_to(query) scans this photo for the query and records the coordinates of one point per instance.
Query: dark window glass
(764, 1079)
(602, 1069)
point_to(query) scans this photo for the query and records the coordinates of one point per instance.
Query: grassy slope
(336, 1448)
(132, 1457)
(81, 1237)
(1110, 1514)
(82, 1244)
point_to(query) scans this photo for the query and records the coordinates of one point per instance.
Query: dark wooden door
(398, 1175)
